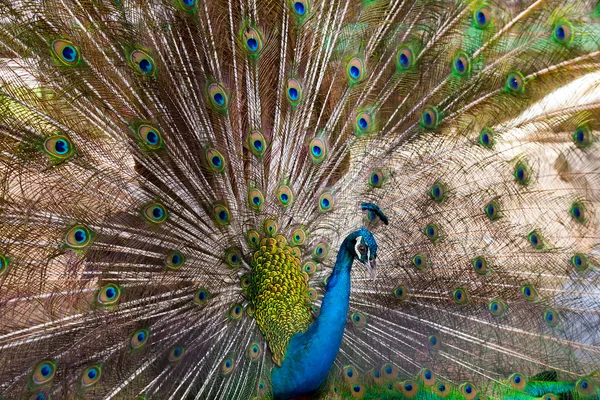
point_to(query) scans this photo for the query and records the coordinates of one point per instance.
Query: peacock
(299, 199)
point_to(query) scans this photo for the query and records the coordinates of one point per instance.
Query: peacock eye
(362, 249)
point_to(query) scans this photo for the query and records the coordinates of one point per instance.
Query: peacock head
(365, 250)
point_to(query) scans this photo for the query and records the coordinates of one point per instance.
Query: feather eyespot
(227, 365)
(221, 214)
(245, 281)
(326, 202)
(482, 17)
(174, 260)
(364, 123)
(318, 150)
(298, 237)
(434, 342)
(4, 264)
(90, 376)
(404, 58)
(78, 237)
(143, 63)
(486, 138)
(585, 386)
(139, 339)
(461, 65)
(401, 293)
(468, 391)
(580, 262)
(188, 5)
(233, 258)
(321, 251)
(515, 82)
(253, 238)
(460, 297)
(66, 52)
(480, 265)
(583, 137)
(409, 389)
(108, 295)
(150, 137)
(257, 143)
(517, 381)
(312, 294)
(41, 395)
(432, 232)
(443, 389)
(253, 42)
(420, 261)
(58, 148)
(536, 240)
(578, 212)
(254, 351)
(430, 118)
(235, 311)
(309, 267)
(497, 307)
(215, 160)
(255, 199)
(217, 96)
(492, 210)
(301, 8)
(355, 70)
(530, 293)
(293, 92)
(376, 178)
(176, 353)
(522, 173)
(350, 374)
(271, 227)
(43, 373)
(563, 32)
(285, 196)
(201, 296)
(438, 192)
(155, 213)
(428, 377)
(359, 320)
(551, 318)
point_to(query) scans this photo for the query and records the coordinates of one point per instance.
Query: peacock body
(187, 184)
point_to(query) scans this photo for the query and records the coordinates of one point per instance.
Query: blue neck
(310, 355)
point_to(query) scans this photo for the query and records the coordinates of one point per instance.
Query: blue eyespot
(460, 65)
(325, 203)
(177, 351)
(69, 53)
(375, 179)
(481, 18)
(408, 387)
(223, 215)
(46, 370)
(299, 8)
(61, 146)
(145, 65)
(252, 44)
(560, 33)
(219, 99)
(316, 150)
(152, 137)
(80, 235)
(258, 145)
(404, 60)
(293, 93)
(354, 72)
(110, 293)
(141, 336)
(363, 124)
(428, 375)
